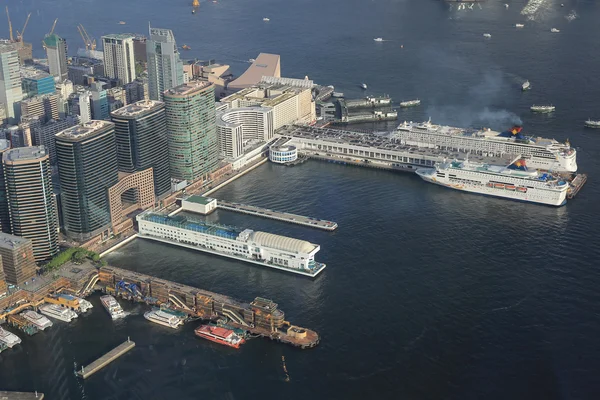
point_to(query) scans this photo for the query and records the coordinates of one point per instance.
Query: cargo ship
(540, 153)
(36, 319)
(9, 339)
(220, 335)
(113, 308)
(514, 182)
(163, 318)
(57, 312)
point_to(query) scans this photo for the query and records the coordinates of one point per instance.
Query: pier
(277, 215)
(106, 359)
(21, 395)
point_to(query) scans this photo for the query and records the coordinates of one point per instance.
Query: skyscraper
(4, 215)
(119, 61)
(165, 68)
(17, 258)
(141, 133)
(45, 107)
(36, 82)
(191, 123)
(31, 204)
(87, 167)
(99, 102)
(81, 104)
(56, 50)
(10, 82)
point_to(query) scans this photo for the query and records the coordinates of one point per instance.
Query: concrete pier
(277, 215)
(21, 395)
(106, 359)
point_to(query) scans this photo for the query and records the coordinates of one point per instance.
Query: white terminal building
(273, 251)
(283, 154)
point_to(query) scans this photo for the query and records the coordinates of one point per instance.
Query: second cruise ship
(539, 153)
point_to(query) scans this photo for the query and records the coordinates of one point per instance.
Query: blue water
(428, 293)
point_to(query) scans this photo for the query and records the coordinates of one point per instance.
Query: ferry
(519, 25)
(84, 305)
(163, 318)
(592, 124)
(526, 86)
(514, 182)
(9, 339)
(378, 39)
(220, 335)
(543, 109)
(487, 35)
(113, 308)
(410, 103)
(57, 312)
(541, 153)
(36, 319)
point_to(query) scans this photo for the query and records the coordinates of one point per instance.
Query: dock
(277, 215)
(106, 359)
(21, 395)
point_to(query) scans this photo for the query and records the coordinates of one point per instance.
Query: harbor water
(428, 293)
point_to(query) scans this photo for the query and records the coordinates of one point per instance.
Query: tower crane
(88, 41)
(9, 25)
(20, 34)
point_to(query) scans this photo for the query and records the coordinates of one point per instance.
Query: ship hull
(149, 317)
(557, 199)
(65, 317)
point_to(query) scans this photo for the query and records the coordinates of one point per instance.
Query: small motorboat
(378, 39)
(487, 35)
(266, 19)
(519, 25)
(554, 30)
(363, 86)
(526, 86)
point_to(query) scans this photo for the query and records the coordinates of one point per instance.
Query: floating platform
(106, 359)
(576, 185)
(21, 395)
(277, 215)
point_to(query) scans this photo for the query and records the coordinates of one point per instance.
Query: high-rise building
(165, 68)
(4, 215)
(17, 136)
(191, 123)
(87, 167)
(99, 102)
(119, 61)
(31, 205)
(45, 107)
(25, 51)
(56, 51)
(11, 92)
(35, 82)
(139, 49)
(80, 104)
(43, 135)
(238, 126)
(141, 132)
(18, 262)
(136, 91)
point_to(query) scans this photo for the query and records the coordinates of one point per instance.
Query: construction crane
(9, 25)
(20, 34)
(89, 43)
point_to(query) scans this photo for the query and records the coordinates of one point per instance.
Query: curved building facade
(240, 125)
(191, 123)
(141, 137)
(87, 167)
(283, 154)
(30, 196)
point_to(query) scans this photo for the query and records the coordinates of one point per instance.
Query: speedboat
(378, 39)
(266, 19)
(363, 85)
(487, 35)
(525, 86)
(554, 30)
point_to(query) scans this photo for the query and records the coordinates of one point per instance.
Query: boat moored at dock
(57, 312)
(9, 339)
(112, 306)
(38, 320)
(514, 182)
(164, 318)
(220, 335)
(84, 305)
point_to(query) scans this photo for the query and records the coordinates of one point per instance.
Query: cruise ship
(57, 312)
(9, 339)
(36, 319)
(514, 182)
(163, 318)
(540, 153)
(112, 306)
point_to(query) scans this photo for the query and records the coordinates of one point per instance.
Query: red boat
(220, 335)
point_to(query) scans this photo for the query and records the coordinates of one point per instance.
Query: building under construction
(23, 49)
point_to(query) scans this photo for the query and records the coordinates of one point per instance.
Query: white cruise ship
(540, 153)
(8, 338)
(514, 182)
(57, 312)
(113, 308)
(36, 319)
(163, 318)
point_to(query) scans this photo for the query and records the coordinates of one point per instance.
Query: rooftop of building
(34, 73)
(12, 242)
(4, 144)
(199, 199)
(24, 154)
(7, 47)
(161, 35)
(187, 89)
(137, 108)
(52, 40)
(39, 97)
(80, 132)
(119, 36)
(271, 91)
(265, 65)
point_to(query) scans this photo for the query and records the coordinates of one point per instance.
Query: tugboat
(526, 86)
(542, 109)
(592, 124)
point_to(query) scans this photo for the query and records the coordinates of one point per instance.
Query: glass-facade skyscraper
(56, 50)
(141, 134)
(10, 82)
(87, 167)
(165, 68)
(191, 124)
